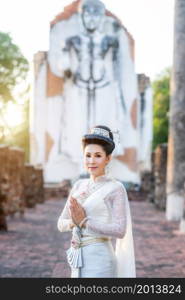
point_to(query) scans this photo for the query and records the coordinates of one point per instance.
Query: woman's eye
(87, 155)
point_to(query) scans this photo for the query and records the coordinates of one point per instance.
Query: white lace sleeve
(117, 206)
(64, 220)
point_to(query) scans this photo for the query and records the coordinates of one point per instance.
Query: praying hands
(77, 212)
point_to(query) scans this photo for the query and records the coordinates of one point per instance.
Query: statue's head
(92, 12)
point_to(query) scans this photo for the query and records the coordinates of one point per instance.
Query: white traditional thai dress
(107, 208)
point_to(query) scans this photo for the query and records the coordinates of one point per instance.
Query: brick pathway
(159, 248)
(33, 247)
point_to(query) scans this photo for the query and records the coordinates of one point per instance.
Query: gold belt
(75, 244)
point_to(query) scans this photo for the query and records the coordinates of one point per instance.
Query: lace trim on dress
(116, 206)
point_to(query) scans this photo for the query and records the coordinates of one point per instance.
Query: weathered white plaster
(108, 110)
(64, 117)
(146, 134)
(122, 172)
(39, 119)
(174, 207)
(182, 225)
(59, 169)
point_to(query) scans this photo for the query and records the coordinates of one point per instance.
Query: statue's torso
(91, 52)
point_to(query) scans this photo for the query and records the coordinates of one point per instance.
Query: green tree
(13, 67)
(13, 72)
(161, 94)
(19, 134)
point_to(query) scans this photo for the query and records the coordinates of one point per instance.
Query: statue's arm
(59, 52)
(117, 72)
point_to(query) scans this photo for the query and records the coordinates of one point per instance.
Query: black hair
(108, 147)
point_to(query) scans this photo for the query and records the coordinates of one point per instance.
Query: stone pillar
(176, 144)
(29, 185)
(39, 184)
(4, 185)
(145, 122)
(160, 163)
(16, 190)
(148, 181)
(33, 185)
(182, 223)
(11, 182)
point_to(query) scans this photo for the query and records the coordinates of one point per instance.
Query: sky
(150, 22)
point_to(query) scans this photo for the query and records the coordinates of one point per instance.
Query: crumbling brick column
(33, 185)
(148, 182)
(39, 182)
(160, 165)
(29, 184)
(20, 184)
(4, 185)
(16, 189)
(176, 141)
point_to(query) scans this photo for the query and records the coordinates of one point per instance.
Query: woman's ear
(109, 157)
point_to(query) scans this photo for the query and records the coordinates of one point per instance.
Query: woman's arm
(117, 206)
(65, 222)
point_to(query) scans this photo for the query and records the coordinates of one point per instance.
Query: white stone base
(59, 169)
(174, 207)
(120, 171)
(182, 226)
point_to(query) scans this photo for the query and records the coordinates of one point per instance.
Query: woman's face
(95, 159)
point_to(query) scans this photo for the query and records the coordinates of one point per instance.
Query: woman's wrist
(72, 224)
(82, 223)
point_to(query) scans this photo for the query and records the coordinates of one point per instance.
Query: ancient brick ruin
(21, 185)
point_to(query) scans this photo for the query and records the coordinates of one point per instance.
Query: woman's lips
(93, 168)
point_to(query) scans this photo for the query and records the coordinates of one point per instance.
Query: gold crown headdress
(105, 133)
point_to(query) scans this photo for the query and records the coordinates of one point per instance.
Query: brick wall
(21, 185)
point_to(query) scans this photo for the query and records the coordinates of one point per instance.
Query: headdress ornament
(102, 134)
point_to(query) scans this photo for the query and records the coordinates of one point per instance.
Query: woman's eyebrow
(94, 153)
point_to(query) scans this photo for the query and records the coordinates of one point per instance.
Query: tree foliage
(13, 67)
(13, 72)
(19, 135)
(161, 94)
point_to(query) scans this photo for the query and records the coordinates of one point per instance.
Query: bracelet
(83, 221)
(77, 225)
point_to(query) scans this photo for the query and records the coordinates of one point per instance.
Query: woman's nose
(91, 159)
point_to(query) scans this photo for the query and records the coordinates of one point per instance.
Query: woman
(96, 211)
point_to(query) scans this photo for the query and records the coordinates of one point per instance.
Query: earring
(107, 169)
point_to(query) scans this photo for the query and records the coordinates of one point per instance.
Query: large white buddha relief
(90, 51)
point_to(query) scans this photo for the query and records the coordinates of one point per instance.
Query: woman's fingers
(77, 211)
(72, 199)
(75, 203)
